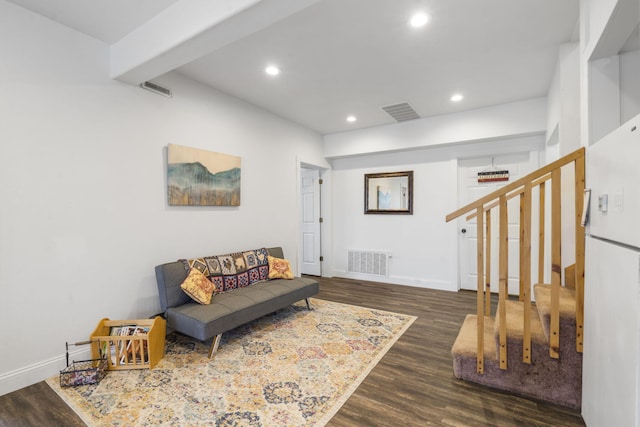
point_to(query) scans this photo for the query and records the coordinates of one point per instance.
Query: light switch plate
(603, 203)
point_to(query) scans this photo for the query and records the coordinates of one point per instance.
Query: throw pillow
(198, 287)
(279, 268)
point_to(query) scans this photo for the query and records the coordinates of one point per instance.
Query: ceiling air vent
(156, 88)
(401, 112)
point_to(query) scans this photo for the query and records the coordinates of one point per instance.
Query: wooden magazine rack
(129, 344)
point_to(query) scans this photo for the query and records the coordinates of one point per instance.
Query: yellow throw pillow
(279, 268)
(198, 287)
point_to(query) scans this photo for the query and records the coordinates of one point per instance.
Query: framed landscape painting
(202, 178)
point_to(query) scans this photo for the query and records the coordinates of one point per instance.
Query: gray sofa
(227, 310)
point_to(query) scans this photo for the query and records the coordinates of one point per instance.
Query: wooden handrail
(511, 195)
(481, 208)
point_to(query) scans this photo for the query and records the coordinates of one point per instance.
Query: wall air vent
(401, 112)
(156, 88)
(368, 262)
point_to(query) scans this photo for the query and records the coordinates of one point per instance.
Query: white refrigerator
(611, 358)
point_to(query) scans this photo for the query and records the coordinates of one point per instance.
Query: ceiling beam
(191, 29)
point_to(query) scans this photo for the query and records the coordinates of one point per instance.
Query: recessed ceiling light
(457, 97)
(419, 19)
(272, 70)
(351, 119)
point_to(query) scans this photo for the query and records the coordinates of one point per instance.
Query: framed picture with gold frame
(388, 193)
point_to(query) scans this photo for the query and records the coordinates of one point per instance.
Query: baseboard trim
(399, 280)
(31, 374)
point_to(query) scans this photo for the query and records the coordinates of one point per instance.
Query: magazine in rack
(127, 349)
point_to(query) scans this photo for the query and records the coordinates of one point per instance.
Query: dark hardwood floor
(413, 385)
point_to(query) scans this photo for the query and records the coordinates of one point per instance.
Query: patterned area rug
(292, 368)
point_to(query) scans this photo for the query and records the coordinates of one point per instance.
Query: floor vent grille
(368, 262)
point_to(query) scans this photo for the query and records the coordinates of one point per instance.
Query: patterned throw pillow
(279, 268)
(198, 287)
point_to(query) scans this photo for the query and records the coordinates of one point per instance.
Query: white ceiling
(106, 20)
(341, 57)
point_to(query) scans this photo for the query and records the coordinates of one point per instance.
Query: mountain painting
(202, 178)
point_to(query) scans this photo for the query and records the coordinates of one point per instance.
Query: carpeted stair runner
(567, 308)
(557, 381)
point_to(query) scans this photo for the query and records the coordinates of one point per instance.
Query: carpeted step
(557, 381)
(567, 309)
(515, 324)
(466, 341)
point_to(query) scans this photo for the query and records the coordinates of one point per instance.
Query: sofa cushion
(231, 309)
(276, 252)
(169, 277)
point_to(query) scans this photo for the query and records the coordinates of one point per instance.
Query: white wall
(424, 247)
(84, 218)
(629, 85)
(563, 137)
(563, 106)
(595, 17)
(423, 252)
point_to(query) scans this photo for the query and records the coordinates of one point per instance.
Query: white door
(469, 189)
(310, 187)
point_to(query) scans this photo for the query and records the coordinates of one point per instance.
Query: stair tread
(466, 341)
(567, 300)
(515, 323)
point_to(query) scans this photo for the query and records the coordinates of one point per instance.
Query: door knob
(464, 230)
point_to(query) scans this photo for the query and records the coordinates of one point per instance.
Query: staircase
(530, 349)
